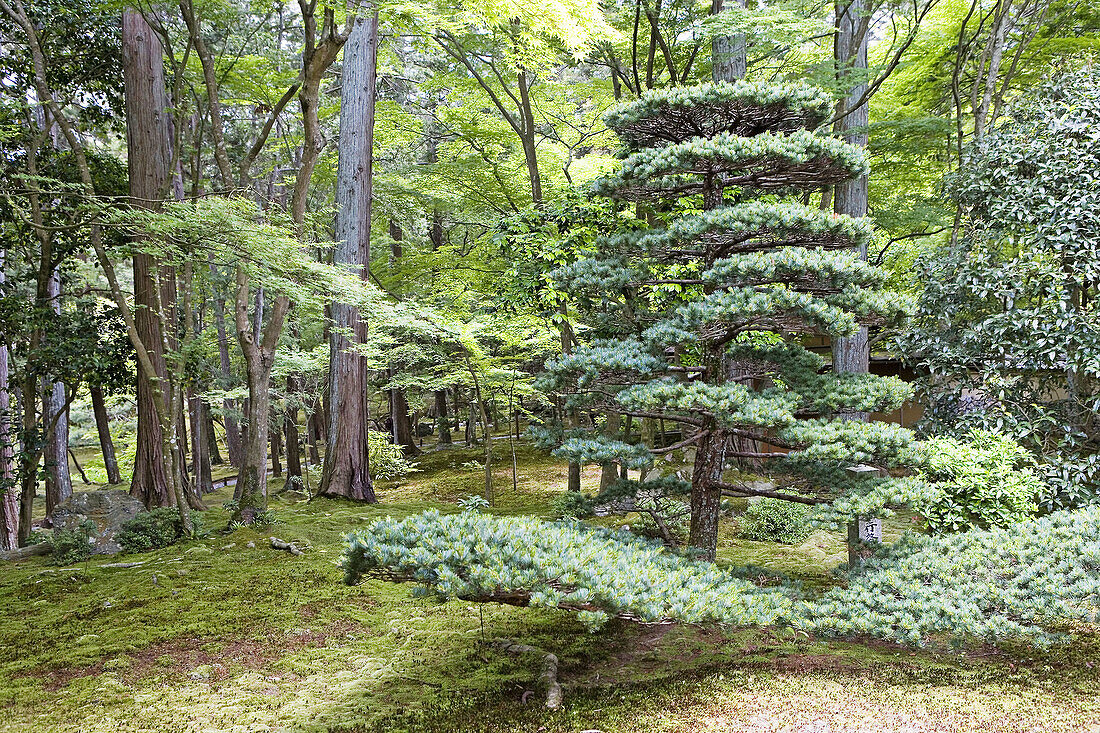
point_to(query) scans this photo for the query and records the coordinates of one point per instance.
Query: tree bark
(232, 427)
(852, 353)
(211, 437)
(293, 441)
(55, 416)
(347, 460)
(103, 428)
(442, 419)
(728, 52)
(9, 495)
(276, 451)
(200, 444)
(404, 433)
(706, 491)
(149, 142)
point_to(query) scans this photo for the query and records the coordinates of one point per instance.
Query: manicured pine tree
(734, 283)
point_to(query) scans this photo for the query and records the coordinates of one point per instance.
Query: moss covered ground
(218, 635)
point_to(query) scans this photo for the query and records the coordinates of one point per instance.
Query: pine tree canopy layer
(742, 108)
(1019, 582)
(764, 163)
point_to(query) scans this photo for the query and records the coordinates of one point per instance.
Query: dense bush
(1014, 582)
(387, 461)
(523, 561)
(986, 481)
(154, 529)
(73, 545)
(776, 520)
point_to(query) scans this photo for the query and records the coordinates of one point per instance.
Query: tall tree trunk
(149, 142)
(103, 427)
(232, 427)
(315, 428)
(347, 460)
(404, 433)
(706, 492)
(55, 415)
(9, 494)
(211, 436)
(573, 478)
(851, 353)
(442, 420)
(293, 441)
(276, 452)
(200, 444)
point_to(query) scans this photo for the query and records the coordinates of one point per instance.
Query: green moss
(277, 641)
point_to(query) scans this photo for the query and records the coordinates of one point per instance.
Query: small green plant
(154, 529)
(985, 481)
(73, 545)
(387, 461)
(776, 520)
(574, 504)
(473, 503)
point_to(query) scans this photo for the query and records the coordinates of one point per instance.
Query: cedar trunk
(149, 140)
(9, 496)
(347, 459)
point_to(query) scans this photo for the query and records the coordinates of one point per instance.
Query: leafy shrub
(73, 545)
(574, 504)
(1071, 481)
(776, 520)
(154, 529)
(986, 481)
(387, 461)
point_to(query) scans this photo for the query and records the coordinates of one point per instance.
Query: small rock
(199, 550)
(230, 546)
(201, 673)
(251, 545)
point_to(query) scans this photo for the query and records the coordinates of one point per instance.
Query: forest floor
(217, 635)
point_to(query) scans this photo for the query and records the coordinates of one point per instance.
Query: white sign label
(870, 530)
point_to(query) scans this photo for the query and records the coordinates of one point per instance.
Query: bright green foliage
(986, 481)
(387, 460)
(153, 529)
(1012, 582)
(523, 561)
(73, 545)
(775, 520)
(1006, 325)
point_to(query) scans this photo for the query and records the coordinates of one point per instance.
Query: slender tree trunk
(609, 472)
(9, 494)
(211, 436)
(530, 153)
(276, 452)
(442, 419)
(55, 412)
(103, 427)
(347, 460)
(293, 441)
(232, 427)
(149, 142)
(315, 430)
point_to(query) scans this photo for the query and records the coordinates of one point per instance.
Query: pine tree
(734, 283)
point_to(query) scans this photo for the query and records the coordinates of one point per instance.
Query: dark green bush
(776, 520)
(574, 504)
(153, 529)
(73, 545)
